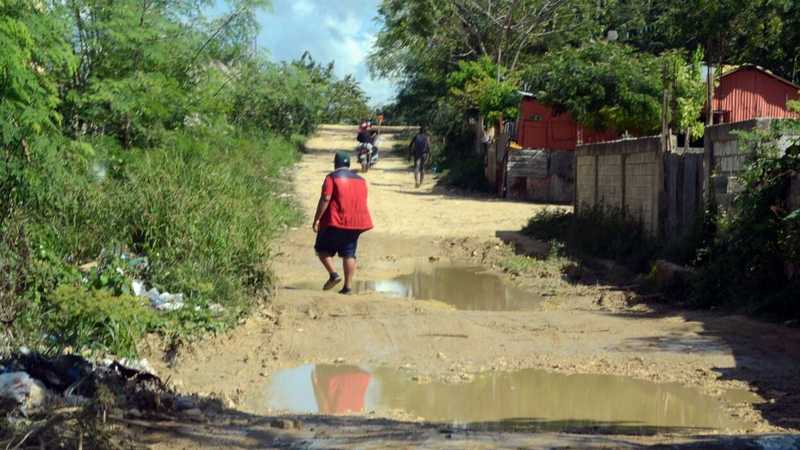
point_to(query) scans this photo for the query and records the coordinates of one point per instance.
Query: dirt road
(556, 326)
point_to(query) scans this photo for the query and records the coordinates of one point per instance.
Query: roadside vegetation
(622, 66)
(550, 266)
(150, 143)
(751, 259)
(598, 233)
(461, 64)
(746, 257)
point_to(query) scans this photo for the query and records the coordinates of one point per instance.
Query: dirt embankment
(592, 329)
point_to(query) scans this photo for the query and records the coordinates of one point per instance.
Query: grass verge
(194, 216)
(596, 233)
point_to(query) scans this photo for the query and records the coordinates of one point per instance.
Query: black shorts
(332, 241)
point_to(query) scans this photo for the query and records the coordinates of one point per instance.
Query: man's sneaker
(346, 291)
(332, 281)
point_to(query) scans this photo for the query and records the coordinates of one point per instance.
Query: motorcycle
(367, 155)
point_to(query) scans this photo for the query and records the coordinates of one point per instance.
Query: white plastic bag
(30, 394)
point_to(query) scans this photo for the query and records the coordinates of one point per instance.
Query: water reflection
(466, 288)
(339, 389)
(552, 401)
(323, 389)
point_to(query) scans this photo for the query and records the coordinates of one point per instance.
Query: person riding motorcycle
(366, 137)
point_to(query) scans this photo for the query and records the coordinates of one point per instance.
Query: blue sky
(342, 31)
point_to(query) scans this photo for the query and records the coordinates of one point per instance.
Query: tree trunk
(686, 143)
(479, 135)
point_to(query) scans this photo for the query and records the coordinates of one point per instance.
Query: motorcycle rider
(366, 136)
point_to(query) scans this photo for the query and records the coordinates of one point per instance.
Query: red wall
(540, 127)
(750, 93)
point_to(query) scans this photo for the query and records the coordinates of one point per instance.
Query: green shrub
(596, 232)
(203, 210)
(467, 173)
(164, 139)
(99, 320)
(460, 166)
(298, 141)
(552, 263)
(14, 269)
(753, 260)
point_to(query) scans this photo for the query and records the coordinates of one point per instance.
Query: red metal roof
(765, 72)
(751, 92)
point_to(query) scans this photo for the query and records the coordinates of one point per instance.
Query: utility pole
(710, 93)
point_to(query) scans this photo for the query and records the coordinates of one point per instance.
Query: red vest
(348, 208)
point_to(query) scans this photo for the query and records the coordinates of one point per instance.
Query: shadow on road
(767, 355)
(236, 430)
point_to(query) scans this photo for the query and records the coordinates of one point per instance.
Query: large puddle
(525, 400)
(467, 288)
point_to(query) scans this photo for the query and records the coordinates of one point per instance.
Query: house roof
(762, 70)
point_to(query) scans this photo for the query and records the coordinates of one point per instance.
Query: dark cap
(342, 159)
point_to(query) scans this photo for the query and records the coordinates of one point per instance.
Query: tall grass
(203, 207)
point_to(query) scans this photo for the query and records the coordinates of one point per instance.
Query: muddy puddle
(525, 400)
(466, 288)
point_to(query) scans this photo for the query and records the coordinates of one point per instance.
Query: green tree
(346, 102)
(476, 85)
(33, 53)
(603, 85)
(689, 92)
(505, 31)
(143, 65)
(284, 98)
(422, 41)
(763, 32)
(613, 86)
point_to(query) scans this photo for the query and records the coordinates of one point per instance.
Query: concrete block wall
(584, 179)
(642, 187)
(625, 174)
(610, 180)
(724, 160)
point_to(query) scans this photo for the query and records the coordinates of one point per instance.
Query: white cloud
(343, 31)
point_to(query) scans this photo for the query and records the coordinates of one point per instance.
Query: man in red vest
(342, 215)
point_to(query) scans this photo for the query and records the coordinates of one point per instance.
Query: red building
(541, 127)
(750, 92)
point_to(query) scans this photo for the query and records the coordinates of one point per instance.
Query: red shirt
(348, 208)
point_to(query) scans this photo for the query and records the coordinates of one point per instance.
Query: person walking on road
(342, 215)
(419, 148)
